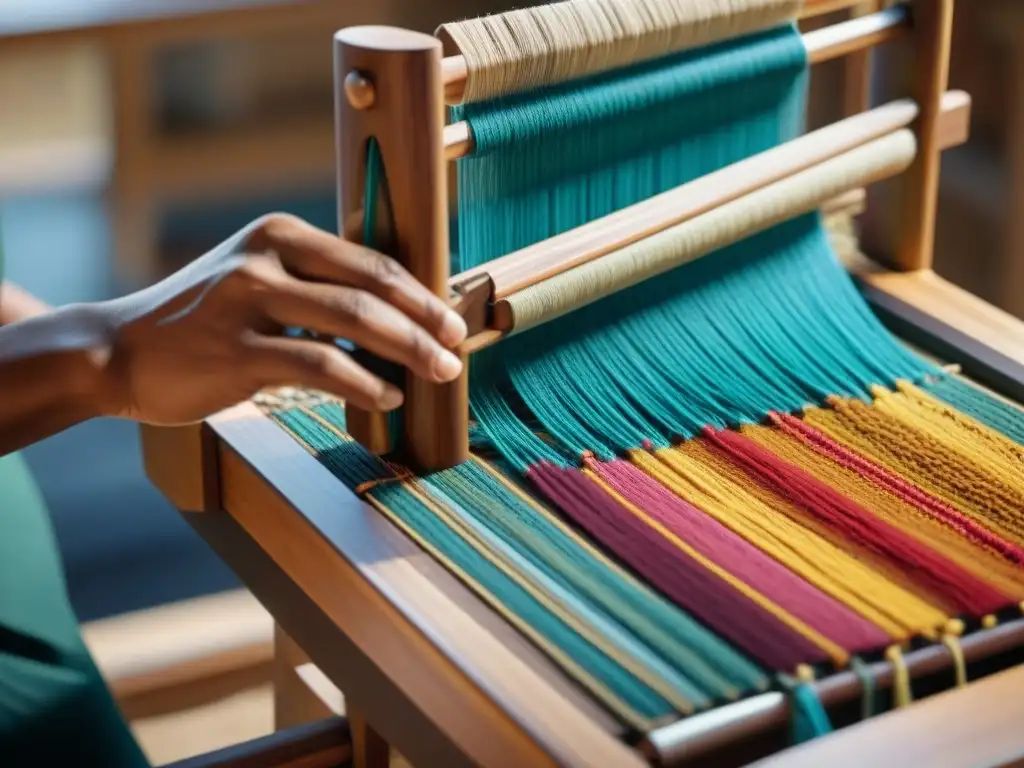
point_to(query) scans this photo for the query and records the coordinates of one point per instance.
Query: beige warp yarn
(527, 48)
(727, 224)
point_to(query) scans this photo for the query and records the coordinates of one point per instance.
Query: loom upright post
(900, 226)
(388, 87)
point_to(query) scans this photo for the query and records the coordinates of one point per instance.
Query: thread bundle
(687, 490)
(675, 579)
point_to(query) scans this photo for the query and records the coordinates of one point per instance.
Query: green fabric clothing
(55, 709)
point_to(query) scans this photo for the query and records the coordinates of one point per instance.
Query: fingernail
(391, 398)
(453, 329)
(447, 366)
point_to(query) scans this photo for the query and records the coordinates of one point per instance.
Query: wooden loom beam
(855, 36)
(831, 42)
(435, 417)
(700, 735)
(530, 266)
(391, 91)
(901, 224)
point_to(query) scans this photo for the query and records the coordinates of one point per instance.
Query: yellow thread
(901, 693)
(834, 571)
(954, 627)
(959, 663)
(983, 562)
(957, 432)
(729, 691)
(954, 478)
(835, 652)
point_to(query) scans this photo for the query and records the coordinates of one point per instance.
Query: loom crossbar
(822, 45)
(826, 44)
(515, 272)
(434, 434)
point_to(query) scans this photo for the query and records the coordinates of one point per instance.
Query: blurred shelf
(281, 155)
(71, 165)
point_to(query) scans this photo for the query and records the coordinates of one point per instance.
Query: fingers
(312, 253)
(279, 361)
(366, 320)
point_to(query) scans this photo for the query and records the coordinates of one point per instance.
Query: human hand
(211, 335)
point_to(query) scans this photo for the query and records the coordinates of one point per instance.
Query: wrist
(69, 349)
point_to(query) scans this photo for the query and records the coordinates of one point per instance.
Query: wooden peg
(901, 215)
(389, 87)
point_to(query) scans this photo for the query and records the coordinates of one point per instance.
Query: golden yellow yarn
(983, 562)
(955, 478)
(896, 611)
(838, 655)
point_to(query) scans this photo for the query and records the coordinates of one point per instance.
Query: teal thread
(512, 596)
(979, 404)
(715, 670)
(772, 323)
(808, 719)
(868, 688)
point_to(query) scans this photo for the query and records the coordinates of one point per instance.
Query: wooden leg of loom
(857, 69)
(294, 702)
(369, 750)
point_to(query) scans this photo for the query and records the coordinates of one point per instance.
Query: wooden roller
(390, 79)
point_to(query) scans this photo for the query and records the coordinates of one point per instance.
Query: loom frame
(388, 78)
(429, 668)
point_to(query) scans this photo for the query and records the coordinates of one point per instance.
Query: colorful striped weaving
(730, 474)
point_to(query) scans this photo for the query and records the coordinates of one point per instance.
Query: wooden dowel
(702, 734)
(528, 266)
(857, 34)
(814, 8)
(822, 45)
(387, 80)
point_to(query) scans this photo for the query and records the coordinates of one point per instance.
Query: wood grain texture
(181, 462)
(407, 120)
(900, 222)
(977, 727)
(479, 683)
(294, 702)
(369, 749)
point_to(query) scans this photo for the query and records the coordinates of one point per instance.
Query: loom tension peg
(359, 90)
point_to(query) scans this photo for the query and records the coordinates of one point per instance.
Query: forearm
(17, 305)
(51, 374)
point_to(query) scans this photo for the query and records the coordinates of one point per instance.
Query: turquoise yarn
(515, 598)
(808, 718)
(771, 323)
(714, 671)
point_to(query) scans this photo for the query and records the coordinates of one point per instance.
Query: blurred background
(136, 134)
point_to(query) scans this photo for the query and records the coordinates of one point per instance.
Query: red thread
(897, 486)
(928, 569)
(686, 582)
(742, 559)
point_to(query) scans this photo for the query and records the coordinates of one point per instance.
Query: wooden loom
(437, 673)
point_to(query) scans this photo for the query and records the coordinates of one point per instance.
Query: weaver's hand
(211, 335)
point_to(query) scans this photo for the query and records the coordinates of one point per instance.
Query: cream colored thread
(530, 47)
(704, 234)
